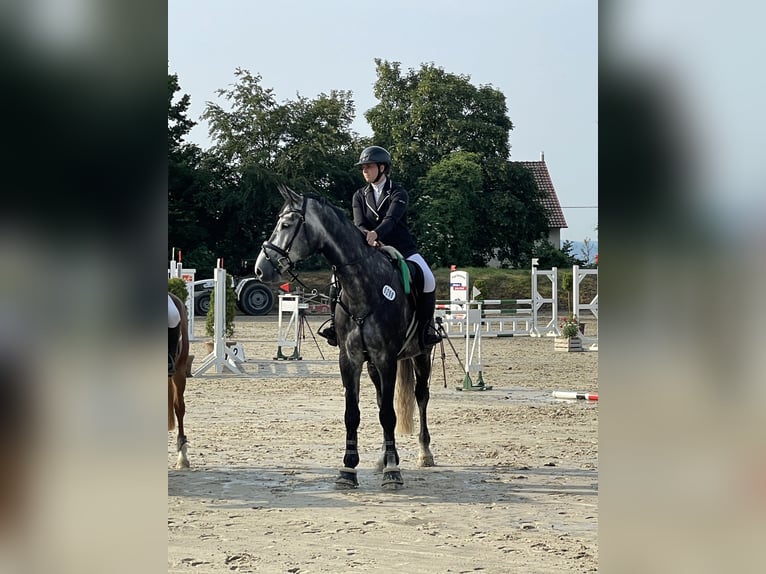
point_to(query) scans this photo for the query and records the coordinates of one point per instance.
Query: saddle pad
(394, 254)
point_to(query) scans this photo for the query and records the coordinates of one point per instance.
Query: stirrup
(329, 334)
(431, 338)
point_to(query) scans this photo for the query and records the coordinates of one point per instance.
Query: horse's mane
(339, 212)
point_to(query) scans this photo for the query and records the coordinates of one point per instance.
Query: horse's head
(288, 242)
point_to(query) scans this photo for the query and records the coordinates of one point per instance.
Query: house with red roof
(556, 220)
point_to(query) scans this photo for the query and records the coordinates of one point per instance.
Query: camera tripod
(300, 335)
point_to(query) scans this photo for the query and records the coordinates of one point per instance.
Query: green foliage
(202, 260)
(259, 143)
(549, 256)
(426, 114)
(177, 287)
(570, 327)
(444, 206)
(513, 217)
(449, 139)
(178, 124)
(231, 313)
(481, 285)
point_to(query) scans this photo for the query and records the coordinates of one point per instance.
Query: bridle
(279, 257)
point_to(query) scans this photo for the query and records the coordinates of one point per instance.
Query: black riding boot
(329, 331)
(174, 334)
(425, 315)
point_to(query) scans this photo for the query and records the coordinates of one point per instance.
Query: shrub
(177, 287)
(231, 312)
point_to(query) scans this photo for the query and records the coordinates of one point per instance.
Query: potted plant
(570, 335)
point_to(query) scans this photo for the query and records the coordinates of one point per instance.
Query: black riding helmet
(377, 155)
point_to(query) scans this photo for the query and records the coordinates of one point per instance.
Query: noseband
(281, 261)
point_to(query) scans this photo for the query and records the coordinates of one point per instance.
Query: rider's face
(370, 171)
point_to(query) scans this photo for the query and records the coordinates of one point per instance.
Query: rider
(174, 333)
(380, 211)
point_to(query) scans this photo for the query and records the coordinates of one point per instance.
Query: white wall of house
(554, 237)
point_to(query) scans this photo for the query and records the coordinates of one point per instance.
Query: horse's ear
(289, 194)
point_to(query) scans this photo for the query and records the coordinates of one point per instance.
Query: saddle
(412, 274)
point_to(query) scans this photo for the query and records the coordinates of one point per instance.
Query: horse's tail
(405, 396)
(171, 402)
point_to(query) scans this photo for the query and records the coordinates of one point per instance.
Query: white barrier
(551, 329)
(506, 322)
(290, 331)
(222, 357)
(578, 307)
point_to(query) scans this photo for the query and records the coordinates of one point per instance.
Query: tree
(425, 118)
(446, 221)
(305, 143)
(425, 115)
(587, 250)
(513, 215)
(189, 200)
(550, 256)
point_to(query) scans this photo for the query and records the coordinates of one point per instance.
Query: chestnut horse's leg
(179, 381)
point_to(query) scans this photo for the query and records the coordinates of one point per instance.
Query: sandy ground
(514, 489)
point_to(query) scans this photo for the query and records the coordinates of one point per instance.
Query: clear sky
(542, 55)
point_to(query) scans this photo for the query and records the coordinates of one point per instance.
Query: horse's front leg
(350, 373)
(179, 405)
(392, 476)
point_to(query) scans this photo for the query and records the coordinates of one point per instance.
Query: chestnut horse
(177, 385)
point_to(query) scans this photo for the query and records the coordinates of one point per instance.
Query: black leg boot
(425, 316)
(174, 334)
(329, 331)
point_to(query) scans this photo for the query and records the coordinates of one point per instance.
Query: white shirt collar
(377, 188)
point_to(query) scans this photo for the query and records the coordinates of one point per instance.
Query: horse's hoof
(346, 480)
(426, 460)
(392, 478)
(182, 464)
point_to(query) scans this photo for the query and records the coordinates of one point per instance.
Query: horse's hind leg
(380, 462)
(422, 394)
(179, 382)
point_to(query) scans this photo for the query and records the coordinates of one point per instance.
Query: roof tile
(550, 200)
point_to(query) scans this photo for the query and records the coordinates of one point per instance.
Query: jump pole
(575, 395)
(222, 356)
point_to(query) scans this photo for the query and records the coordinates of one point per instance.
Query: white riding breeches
(429, 281)
(174, 317)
